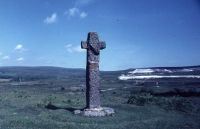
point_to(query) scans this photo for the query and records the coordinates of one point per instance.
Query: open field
(46, 101)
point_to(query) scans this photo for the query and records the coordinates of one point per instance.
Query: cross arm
(84, 44)
(102, 45)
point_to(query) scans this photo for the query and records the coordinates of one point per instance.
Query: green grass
(25, 107)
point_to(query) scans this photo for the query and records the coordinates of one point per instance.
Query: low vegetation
(48, 103)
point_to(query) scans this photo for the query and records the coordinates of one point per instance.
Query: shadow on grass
(54, 107)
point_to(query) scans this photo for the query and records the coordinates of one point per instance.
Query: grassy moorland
(45, 97)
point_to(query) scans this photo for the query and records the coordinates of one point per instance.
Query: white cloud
(20, 59)
(73, 12)
(68, 45)
(6, 57)
(71, 49)
(83, 15)
(78, 49)
(20, 48)
(51, 19)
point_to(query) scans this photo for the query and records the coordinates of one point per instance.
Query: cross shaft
(93, 46)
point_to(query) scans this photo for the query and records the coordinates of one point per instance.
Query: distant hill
(46, 72)
(39, 69)
(40, 72)
(182, 67)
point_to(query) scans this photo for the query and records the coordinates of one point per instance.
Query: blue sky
(138, 33)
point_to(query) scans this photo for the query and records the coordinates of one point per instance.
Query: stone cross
(93, 105)
(93, 46)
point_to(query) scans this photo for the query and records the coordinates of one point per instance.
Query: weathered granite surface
(93, 104)
(93, 46)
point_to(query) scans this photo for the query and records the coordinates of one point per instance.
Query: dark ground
(45, 97)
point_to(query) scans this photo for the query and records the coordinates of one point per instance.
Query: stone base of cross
(101, 111)
(93, 106)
